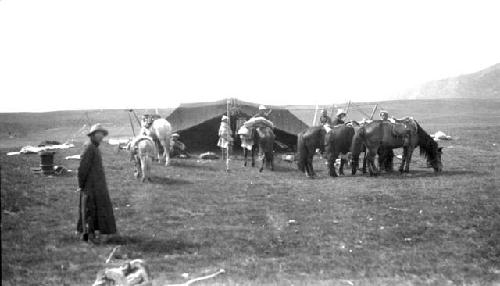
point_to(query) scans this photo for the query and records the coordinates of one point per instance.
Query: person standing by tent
(324, 118)
(224, 135)
(339, 118)
(96, 216)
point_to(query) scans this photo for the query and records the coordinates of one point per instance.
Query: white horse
(161, 131)
(142, 150)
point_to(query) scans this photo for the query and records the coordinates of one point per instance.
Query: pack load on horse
(405, 133)
(252, 132)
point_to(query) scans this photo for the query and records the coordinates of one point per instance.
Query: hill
(482, 84)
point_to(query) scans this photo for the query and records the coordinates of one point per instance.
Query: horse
(385, 155)
(249, 145)
(307, 142)
(407, 134)
(160, 130)
(142, 150)
(338, 140)
(266, 143)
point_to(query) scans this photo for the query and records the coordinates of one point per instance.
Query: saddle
(403, 127)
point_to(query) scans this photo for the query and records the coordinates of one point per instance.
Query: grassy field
(272, 228)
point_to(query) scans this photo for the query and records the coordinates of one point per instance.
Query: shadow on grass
(426, 174)
(195, 165)
(158, 246)
(168, 181)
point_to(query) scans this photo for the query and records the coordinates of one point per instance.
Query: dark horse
(261, 138)
(338, 141)
(307, 142)
(407, 134)
(251, 141)
(334, 141)
(266, 144)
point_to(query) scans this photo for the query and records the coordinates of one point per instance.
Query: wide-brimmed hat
(97, 127)
(383, 112)
(340, 111)
(262, 107)
(176, 135)
(224, 118)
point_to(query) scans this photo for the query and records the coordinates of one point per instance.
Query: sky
(95, 54)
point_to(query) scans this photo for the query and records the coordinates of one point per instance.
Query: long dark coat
(91, 179)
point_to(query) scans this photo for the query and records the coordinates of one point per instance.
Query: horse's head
(436, 163)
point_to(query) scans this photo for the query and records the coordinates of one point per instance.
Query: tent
(198, 123)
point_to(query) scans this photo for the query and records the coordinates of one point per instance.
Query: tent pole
(131, 123)
(315, 114)
(373, 112)
(348, 106)
(88, 118)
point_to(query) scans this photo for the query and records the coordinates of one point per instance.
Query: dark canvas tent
(198, 123)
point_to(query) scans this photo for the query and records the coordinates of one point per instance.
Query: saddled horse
(407, 134)
(307, 142)
(249, 139)
(338, 141)
(259, 139)
(142, 150)
(385, 155)
(160, 130)
(266, 144)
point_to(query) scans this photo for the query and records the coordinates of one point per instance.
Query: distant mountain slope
(483, 84)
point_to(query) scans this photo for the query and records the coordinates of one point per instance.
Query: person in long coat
(95, 203)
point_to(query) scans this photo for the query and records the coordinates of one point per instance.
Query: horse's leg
(271, 158)
(370, 158)
(254, 150)
(310, 164)
(364, 161)
(144, 168)
(403, 160)
(148, 161)
(408, 160)
(331, 163)
(341, 168)
(137, 163)
(262, 161)
(308, 170)
(245, 155)
(166, 150)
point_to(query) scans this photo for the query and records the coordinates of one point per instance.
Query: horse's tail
(357, 145)
(301, 153)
